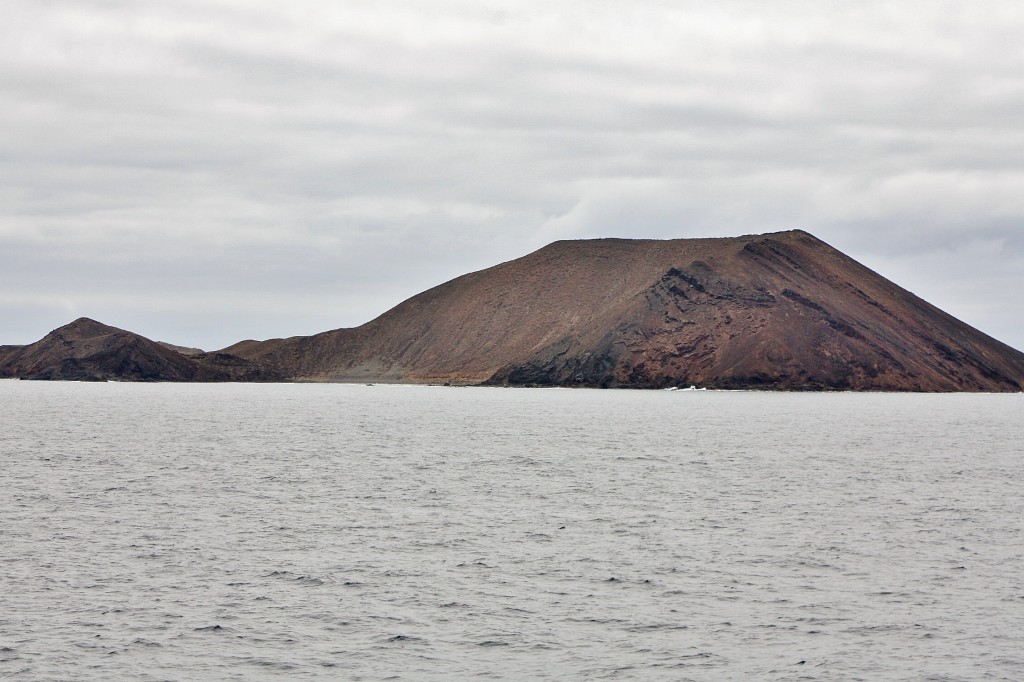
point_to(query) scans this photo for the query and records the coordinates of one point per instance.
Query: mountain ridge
(781, 311)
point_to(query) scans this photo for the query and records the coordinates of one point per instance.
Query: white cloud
(193, 150)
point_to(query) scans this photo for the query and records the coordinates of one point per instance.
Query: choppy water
(180, 532)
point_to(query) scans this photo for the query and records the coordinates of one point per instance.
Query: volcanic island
(779, 311)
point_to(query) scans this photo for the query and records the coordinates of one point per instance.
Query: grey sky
(203, 172)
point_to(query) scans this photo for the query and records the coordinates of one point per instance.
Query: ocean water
(345, 532)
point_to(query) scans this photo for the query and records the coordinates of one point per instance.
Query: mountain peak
(84, 328)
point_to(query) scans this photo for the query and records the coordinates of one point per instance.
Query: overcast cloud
(203, 172)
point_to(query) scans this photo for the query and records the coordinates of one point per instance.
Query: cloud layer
(205, 171)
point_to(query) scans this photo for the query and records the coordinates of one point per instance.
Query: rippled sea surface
(179, 532)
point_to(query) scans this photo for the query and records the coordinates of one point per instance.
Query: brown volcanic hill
(86, 350)
(781, 311)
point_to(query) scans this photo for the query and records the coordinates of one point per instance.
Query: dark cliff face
(86, 350)
(779, 311)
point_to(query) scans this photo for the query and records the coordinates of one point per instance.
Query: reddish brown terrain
(782, 311)
(86, 350)
(776, 311)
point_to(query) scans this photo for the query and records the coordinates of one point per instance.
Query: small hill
(86, 350)
(776, 311)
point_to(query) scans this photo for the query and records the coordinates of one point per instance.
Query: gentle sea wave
(244, 532)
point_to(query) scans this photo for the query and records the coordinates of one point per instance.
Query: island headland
(782, 311)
